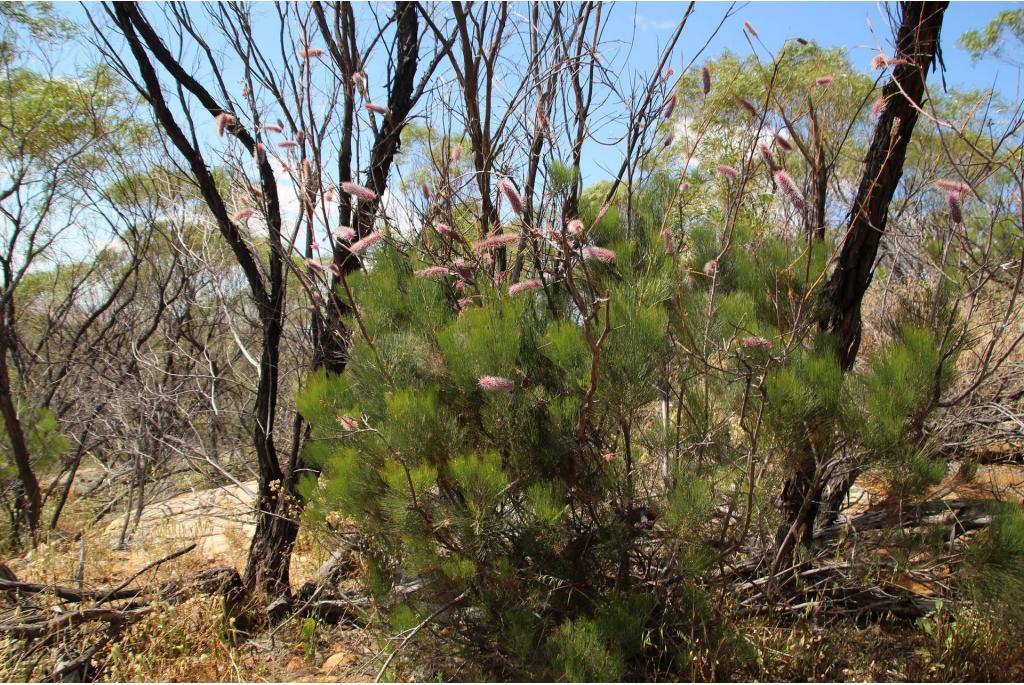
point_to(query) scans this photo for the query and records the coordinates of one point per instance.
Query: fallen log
(70, 619)
(66, 593)
(963, 514)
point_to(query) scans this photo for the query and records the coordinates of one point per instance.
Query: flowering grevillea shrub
(562, 441)
(490, 454)
(542, 471)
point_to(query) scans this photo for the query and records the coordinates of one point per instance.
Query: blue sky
(861, 28)
(831, 24)
(640, 30)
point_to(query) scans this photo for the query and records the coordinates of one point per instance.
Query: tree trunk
(917, 45)
(30, 498)
(804, 497)
(279, 504)
(270, 551)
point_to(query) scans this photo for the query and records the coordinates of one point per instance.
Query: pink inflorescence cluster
(514, 199)
(727, 171)
(224, 119)
(358, 191)
(432, 271)
(494, 241)
(600, 254)
(756, 342)
(361, 246)
(496, 383)
(789, 189)
(524, 286)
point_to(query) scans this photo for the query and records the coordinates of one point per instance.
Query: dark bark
(819, 177)
(30, 498)
(808, 498)
(278, 501)
(275, 533)
(917, 44)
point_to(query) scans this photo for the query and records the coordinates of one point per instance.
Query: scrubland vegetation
(748, 405)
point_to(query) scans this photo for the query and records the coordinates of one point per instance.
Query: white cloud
(645, 24)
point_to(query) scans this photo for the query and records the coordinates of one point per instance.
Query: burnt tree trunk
(30, 501)
(274, 534)
(917, 44)
(807, 497)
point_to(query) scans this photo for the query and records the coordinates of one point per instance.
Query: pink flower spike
(444, 229)
(272, 128)
(669, 73)
(377, 109)
(608, 457)
(425, 189)
(670, 245)
(823, 80)
(361, 192)
(747, 105)
(955, 209)
(288, 144)
(259, 153)
(344, 233)
(463, 269)
(358, 79)
(223, 121)
(310, 53)
(246, 91)
(705, 75)
(879, 61)
(514, 199)
(315, 245)
(334, 269)
(783, 142)
(756, 342)
(789, 189)
(683, 187)
(495, 241)
(750, 28)
(524, 286)
(766, 154)
(432, 271)
(361, 246)
(496, 383)
(711, 268)
(727, 171)
(668, 139)
(348, 423)
(457, 153)
(600, 254)
(878, 107)
(954, 187)
(575, 227)
(670, 106)
(601, 212)
(315, 265)
(241, 215)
